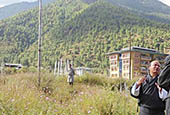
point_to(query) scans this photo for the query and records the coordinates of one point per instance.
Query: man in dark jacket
(164, 82)
(71, 73)
(148, 92)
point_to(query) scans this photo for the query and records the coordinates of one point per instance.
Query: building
(140, 60)
(16, 66)
(167, 50)
(81, 70)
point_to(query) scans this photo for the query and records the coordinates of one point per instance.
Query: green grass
(90, 95)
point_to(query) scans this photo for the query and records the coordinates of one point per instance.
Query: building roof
(84, 68)
(138, 49)
(13, 65)
(116, 52)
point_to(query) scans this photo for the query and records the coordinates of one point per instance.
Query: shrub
(32, 69)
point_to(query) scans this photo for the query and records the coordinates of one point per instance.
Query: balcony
(125, 57)
(145, 63)
(161, 59)
(146, 58)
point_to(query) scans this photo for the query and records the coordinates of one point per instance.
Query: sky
(167, 2)
(8, 2)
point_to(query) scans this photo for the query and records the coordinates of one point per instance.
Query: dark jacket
(149, 95)
(164, 82)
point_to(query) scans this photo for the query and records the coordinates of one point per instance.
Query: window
(113, 57)
(145, 62)
(159, 58)
(126, 67)
(136, 61)
(125, 55)
(114, 75)
(126, 75)
(113, 62)
(135, 68)
(136, 74)
(145, 57)
(114, 68)
(126, 61)
(137, 54)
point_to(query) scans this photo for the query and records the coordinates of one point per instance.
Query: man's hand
(140, 81)
(160, 89)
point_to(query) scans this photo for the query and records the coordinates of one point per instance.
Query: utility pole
(130, 77)
(39, 42)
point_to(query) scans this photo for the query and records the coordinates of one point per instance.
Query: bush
(8, 70)
(32, 69)
(23, 70)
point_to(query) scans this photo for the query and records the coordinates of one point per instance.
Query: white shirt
(162, 94)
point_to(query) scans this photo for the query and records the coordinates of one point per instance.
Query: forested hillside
(82, 30)
(151, 9)
(147, 6)
(13, 9)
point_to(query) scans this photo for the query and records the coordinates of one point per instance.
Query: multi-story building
(167, 50)
(134, 62)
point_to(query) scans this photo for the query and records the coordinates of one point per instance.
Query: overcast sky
(166, 2)
(7, 2)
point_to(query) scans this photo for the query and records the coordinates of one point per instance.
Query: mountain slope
(99, 29)
(151, 9)
(13, 9)
(21, 31)
(146, 6)
(78, 30)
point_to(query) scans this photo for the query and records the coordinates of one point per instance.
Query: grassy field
(90, 95)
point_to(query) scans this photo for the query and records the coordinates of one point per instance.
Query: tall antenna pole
(39, 42)
(130, 68)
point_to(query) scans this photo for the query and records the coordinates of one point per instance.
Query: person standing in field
(71, 73)
(150, 96)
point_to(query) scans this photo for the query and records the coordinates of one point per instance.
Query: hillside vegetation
(79, 30)
(146, 6)
(91, 94)
(151, 9)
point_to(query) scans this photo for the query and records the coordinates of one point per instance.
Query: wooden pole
(130, 69)
(39, 42)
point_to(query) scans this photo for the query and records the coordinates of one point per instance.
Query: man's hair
(153, 62)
